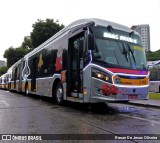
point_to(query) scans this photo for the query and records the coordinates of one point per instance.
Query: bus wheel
(59, 93)
(26, 89)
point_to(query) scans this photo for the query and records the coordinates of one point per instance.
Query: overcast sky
(17, 16)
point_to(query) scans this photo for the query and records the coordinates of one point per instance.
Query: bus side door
(75, 68)
(34, 74)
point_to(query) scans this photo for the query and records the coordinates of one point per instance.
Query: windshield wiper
(124, 52)
(132, 52)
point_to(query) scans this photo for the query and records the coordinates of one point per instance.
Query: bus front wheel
(59, 93)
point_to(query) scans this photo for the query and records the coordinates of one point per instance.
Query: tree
(14, 54)
(27, 43)
(3, 70)
(153, 56)
(43, 30)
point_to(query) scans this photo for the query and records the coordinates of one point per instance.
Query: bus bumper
(102, 92)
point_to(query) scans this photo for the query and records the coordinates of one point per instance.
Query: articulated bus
(89, 61)
(4, 81)
(154, 68)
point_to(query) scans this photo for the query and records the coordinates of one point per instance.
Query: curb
(144, 104)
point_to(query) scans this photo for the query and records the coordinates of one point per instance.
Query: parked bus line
(91, 60)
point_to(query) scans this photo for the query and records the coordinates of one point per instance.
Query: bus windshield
(118, 53)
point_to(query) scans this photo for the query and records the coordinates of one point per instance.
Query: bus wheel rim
(59, 94)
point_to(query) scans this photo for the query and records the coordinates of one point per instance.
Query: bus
(4, 81)
(15, 76)
(89, 61)
(154, 68)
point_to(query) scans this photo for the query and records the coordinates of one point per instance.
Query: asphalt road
(20, 114)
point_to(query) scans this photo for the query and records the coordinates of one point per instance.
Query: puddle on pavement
(123, 109)
(126, 109)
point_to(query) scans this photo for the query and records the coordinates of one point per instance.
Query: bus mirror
(90, 42)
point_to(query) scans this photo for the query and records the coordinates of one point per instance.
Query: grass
(155, 96)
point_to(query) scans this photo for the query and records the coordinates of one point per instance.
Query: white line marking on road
(139, 118)
(3, 91)
(5, 103)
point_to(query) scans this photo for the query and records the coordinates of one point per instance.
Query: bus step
(75, 99)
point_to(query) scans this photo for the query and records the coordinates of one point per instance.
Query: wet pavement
(20, 114)
(147, 103)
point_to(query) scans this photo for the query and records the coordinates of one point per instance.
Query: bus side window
(64, 63)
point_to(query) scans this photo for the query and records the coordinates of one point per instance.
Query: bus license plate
(133, 96)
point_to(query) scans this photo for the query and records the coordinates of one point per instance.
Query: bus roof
(15, 64)
(4, 75)
(81, 22)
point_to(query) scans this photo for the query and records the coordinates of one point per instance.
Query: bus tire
(26, 89)
(59, 93)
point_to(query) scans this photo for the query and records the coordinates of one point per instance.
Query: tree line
(42, 30)
(153, 56)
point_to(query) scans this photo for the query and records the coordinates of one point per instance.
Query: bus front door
(34, 69)
(75, 68)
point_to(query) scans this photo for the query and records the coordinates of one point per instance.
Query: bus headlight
(101, 75)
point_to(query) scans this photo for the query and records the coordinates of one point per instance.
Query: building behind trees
(2, 63)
